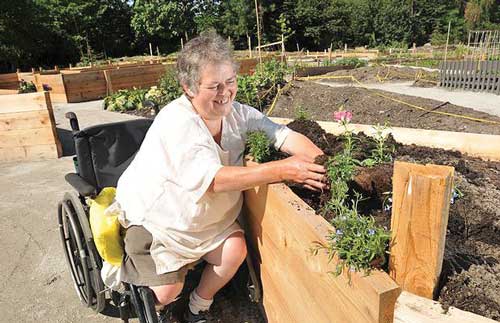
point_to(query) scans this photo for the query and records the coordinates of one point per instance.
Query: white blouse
(165, 187)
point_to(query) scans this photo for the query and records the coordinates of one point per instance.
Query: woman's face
(216, 91)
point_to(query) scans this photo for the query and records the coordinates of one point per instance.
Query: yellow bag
(106, 228)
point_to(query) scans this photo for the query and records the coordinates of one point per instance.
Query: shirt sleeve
(194, 159)
(256, 120)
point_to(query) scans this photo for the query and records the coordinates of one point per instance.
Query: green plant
(125, 100)
(259, 146)
(301, 113)
(25, 87)
(357, 241)
(253, 89)
(346, 61)
(169, 88)
(248, 91)
(381, 153)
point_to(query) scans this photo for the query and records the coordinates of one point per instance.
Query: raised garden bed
(472, 245)
(472, 249)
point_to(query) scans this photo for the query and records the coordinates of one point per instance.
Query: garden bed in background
(470, 278)
(320, 101)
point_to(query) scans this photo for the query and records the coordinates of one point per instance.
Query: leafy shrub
(258, 146)
(254, 89)
(25, 87)
(346, 61)
(301, 113)
(169, 88)
(125, 100)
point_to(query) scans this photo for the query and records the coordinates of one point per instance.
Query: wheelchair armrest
(79, 184)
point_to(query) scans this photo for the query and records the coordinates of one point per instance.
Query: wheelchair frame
(81, 254)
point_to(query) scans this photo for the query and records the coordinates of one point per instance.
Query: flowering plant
(357, 241)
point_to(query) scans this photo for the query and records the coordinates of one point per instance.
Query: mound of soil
(320, 101)
(380, 73)
(473, 235)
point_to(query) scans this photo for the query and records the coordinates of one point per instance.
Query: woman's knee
(236, 250)
(166, 294)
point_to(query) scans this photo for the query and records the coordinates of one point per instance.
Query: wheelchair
(103, 152)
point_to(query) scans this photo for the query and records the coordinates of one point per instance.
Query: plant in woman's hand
(259, 146)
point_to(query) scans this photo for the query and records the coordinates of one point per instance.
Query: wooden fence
(471, 75)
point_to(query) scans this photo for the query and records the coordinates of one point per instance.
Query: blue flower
(371, 232)
(339, 232)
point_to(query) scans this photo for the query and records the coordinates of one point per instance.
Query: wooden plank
(22, 102)
(411, 308)
(38, 152)
(421, 204)
(24, 120)
(9, 81)
(26, 137)
(283, 229)
(478, 145)
(7, 92)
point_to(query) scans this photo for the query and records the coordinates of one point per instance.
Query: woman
(182, 193)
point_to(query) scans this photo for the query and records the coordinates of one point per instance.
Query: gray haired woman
(182, 193)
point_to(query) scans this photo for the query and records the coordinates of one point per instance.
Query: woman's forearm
(237, 178)
(297, 144)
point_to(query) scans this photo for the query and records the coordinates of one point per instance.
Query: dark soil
(380, 73)
(470, 277)
(320, 101)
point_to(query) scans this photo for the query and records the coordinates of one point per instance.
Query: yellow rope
(308, 78)
(280, 90)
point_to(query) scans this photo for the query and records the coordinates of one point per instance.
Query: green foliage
(382, 153)
(25, 87)
(252, 89)
(170, 87)
(358, 242)
(259, 146)
(125, 100)
(301, 113)
(346, 61)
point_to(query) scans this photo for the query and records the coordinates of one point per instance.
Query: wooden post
(33, 70)
(420, 208)
(298, 47)
(182, 44)
(109, 85)
(56, 68)
(330, 52)
(157, 51)
(258, 30)
(447, 40)
(249, 46)
(150, 51)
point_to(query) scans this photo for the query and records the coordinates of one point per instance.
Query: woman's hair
(207, 48)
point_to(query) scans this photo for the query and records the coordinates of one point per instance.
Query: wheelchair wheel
(144, 304)
(82, 257)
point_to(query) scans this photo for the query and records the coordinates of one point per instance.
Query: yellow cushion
(106, 228)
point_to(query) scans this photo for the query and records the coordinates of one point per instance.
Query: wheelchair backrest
(105, 151)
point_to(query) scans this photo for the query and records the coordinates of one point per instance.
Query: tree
(162, 22)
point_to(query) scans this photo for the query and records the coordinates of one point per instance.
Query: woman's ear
(187, 90)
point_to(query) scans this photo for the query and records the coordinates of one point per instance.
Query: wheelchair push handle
(151, 105)
(73, 121)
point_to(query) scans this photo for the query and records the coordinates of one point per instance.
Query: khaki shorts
(138, 267)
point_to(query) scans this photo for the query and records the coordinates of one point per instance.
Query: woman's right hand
(302, 171)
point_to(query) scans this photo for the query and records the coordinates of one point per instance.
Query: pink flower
(342, 116)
